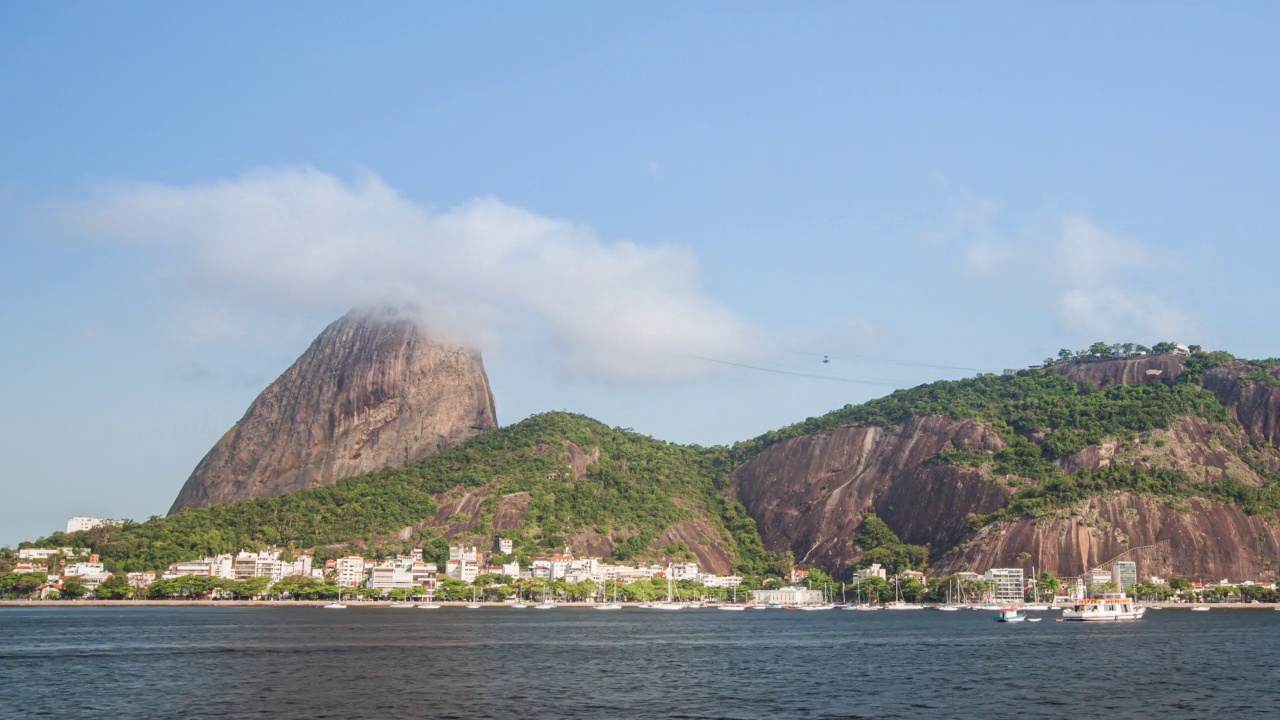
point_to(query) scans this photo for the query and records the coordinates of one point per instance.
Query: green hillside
(638, 489)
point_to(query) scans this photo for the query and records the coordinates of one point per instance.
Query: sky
(661, 215)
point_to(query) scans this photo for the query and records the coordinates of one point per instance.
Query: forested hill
(551, 480)
(1059, 466)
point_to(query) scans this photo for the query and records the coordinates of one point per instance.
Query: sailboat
(473, 605)
(336, 604)
(899, 603)
(615, 605)
(949, 606)
(545, 604)
(519, 604)
(1035, 595)
(861, 606)
(733, 606)
(670, 604)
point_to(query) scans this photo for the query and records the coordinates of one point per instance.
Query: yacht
(1108, 606)
(428, 606)
(731, 607)
(336, 604)
(1200, 608)
(614, 604)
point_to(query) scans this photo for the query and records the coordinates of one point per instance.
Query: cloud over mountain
(484, 273)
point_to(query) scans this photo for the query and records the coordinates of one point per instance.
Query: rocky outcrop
(372, 391)
(1255, 405)
(1200, 539)
(1105, 374)
(808, 494)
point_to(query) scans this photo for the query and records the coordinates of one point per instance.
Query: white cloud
(481, 273)
(1097, 284)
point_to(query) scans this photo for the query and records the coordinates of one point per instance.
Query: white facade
(683, 571)
(1006, 584)
(350, 571)
(550, 568)
(720, 581)
(463, 553)
(36, 553)
(80, 523)
(504, 546)
(389, 577)
(82, 569)
(1125, 575)
(874, 571)
(787, 596)
(464, 570)
(220, 566)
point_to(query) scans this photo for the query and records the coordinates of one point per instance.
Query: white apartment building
(874, 571)
(1094, 579)
(554, 567)
(504, 546)
(787, 596)
(220, 566)
(350, 571)
(720, 581)
(1125, 575)
(82, 569)
(683, 571)
(1005, 584)
(463, 553)
(88, 522)
(46, 553)
(268, 564)
(388, 576)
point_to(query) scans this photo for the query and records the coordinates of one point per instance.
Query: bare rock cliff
(808, 494)
(372, 391)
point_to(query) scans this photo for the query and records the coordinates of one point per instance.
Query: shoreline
(462, 604)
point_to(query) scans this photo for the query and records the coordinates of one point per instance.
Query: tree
(115, 587)
(1048, 585)
(1100, 349)
(72, 588)
(1065, 354)
(1181, 584)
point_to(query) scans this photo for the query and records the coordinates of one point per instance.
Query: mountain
(1061, 468)
(371, 392)
(551, 480)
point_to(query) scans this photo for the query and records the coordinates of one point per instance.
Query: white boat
(402, 606)
(903, 606)
(519, 606)
(1010, 614)
(428, 606)
(473, 605)
(666, 606)
(614, 604)
(335, 605)
(1200, 608)
(1034, 619)
(731, 607)
(544, 605)
(1157, 607)
(1034, 607)
(670, 604)
(948, 608)
(1108, 606)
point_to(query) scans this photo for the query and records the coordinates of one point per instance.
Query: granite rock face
(372, 391)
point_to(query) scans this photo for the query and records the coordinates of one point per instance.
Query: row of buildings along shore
(411, 572)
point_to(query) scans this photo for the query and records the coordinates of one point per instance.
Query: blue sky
(189, 194)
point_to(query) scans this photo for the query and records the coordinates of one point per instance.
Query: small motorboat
(1010, 614)
(1200, 608)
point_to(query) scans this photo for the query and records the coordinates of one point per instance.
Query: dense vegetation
(881, 545)
(638, 489)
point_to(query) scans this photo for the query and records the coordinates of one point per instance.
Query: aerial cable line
(892, 362)
(795, 372)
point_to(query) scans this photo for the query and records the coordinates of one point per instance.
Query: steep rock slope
(372, 391)
(808, 494)
(1144, 457)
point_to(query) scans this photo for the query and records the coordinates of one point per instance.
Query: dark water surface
(573, 663)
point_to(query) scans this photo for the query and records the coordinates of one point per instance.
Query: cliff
(1191, 441)
(371, 391)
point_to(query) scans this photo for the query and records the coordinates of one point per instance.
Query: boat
(899, 603)
(402, 606)
(336, 604)
(614, 605)
(1010, 614)
(670, 604)
(1200, 608)
(1034, 619)
(1108, 606)
(731, 608)
(949, 606)
(473, 605)
(428, 606)
(1158, 607)
(1035, 607)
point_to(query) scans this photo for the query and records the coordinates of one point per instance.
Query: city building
(350, 571)
(80, 523)
(504, 546)
(874, 571)
(1005, 584)
(1125, 575)
(1094, 580)
(388, 576)
(683, 571)
(720, 581)
(220, 566)
(787, 596)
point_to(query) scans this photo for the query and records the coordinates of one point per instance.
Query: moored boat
(1108, 606)
(1010, 614)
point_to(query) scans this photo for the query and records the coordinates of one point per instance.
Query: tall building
(350, 571)
(1006, 584)
(1125, 575)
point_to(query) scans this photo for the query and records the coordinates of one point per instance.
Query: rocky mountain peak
(372, 391)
